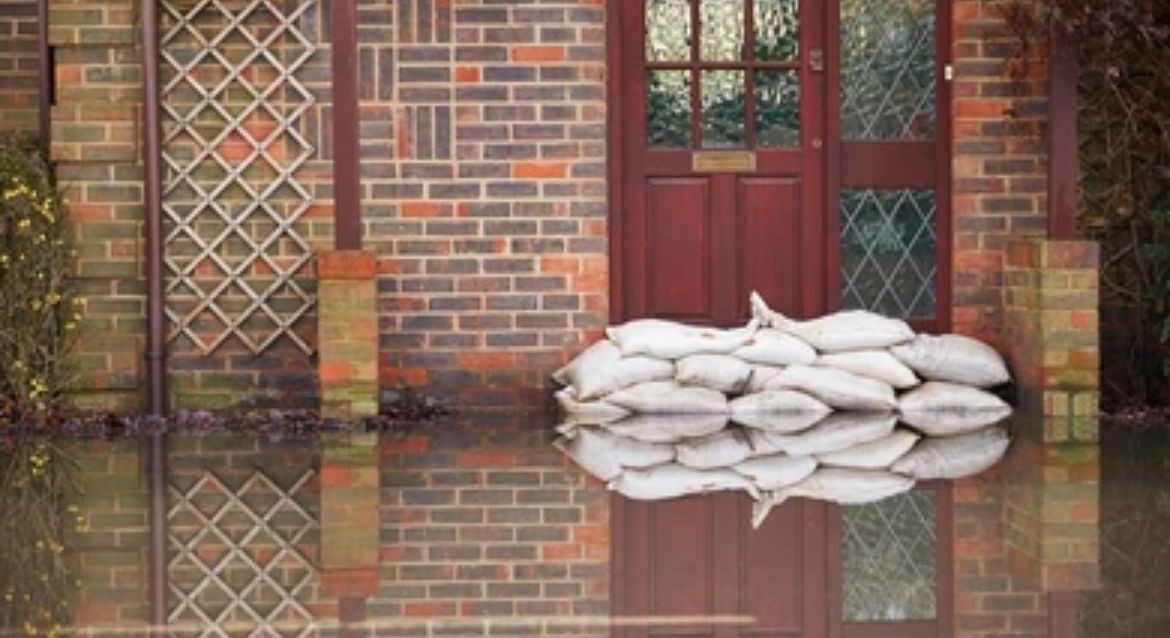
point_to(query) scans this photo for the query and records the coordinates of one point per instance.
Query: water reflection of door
(694, 567)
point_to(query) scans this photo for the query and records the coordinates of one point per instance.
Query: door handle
(816, 59)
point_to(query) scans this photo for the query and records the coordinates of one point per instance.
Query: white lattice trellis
(232, 147)
(249, 574)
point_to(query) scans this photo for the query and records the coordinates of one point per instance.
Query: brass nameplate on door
(723, 162)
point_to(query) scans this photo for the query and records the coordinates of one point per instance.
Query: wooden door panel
(682, 570)
(769, 251)
(772, 590)
(678, 248)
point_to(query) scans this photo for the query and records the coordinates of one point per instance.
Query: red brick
(535, 53)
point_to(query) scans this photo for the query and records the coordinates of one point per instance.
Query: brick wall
(999, 160)
(96, 142)
(483, 153)
(19, 78)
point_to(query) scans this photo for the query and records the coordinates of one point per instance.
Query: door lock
(816, 60)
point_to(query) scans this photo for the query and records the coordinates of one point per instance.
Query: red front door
(722, 158)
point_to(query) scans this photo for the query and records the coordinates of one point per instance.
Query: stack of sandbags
(854, 360)
(826, 393)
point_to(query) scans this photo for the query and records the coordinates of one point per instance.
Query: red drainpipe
(1062, 136)
(152, 152)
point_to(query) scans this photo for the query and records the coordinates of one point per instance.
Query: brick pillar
(1051, 331)
(348, 333)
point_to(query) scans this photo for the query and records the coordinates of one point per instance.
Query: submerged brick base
(348, 334)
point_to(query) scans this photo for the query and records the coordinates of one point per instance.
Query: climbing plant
(38, 310)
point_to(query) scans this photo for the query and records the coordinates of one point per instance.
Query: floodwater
(480, 527)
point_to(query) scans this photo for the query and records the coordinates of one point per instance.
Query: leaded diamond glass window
(890, 559)
(889, 249)
(887, 70)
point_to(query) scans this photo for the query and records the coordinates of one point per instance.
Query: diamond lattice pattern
(887, 70)
(890, 559)
(239, 560)
(889, 251)
(233, 107)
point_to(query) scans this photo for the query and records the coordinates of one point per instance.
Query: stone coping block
(346, 264)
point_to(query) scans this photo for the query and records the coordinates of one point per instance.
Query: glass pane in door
(777, 109)
(889, 250)
(777, 29)
(722, 31)
(723, 116)
(668, 109)
(668, 30)
(887, 70)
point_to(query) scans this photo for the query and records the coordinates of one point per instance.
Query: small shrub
(38, 311)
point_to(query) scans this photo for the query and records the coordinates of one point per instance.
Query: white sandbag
(592, 451)
(600, 369)
(671, 479)
(773, 347)
(837, 432)
(668, 397)
(879, 365)
(938, 408)
(779, 422)
(777, 401)
(595, 412)
(667, 428)
(955, 456)
(720, 372)
(672, 340)
(776, 470)
(761, 375)
(873, 455)
(837, 388)
(954, 358)
(721, 449)
(838, 332)
(836, 485)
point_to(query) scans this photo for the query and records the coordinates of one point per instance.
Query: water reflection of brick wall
(110, 556)
(1026, 537)
(490, 531)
